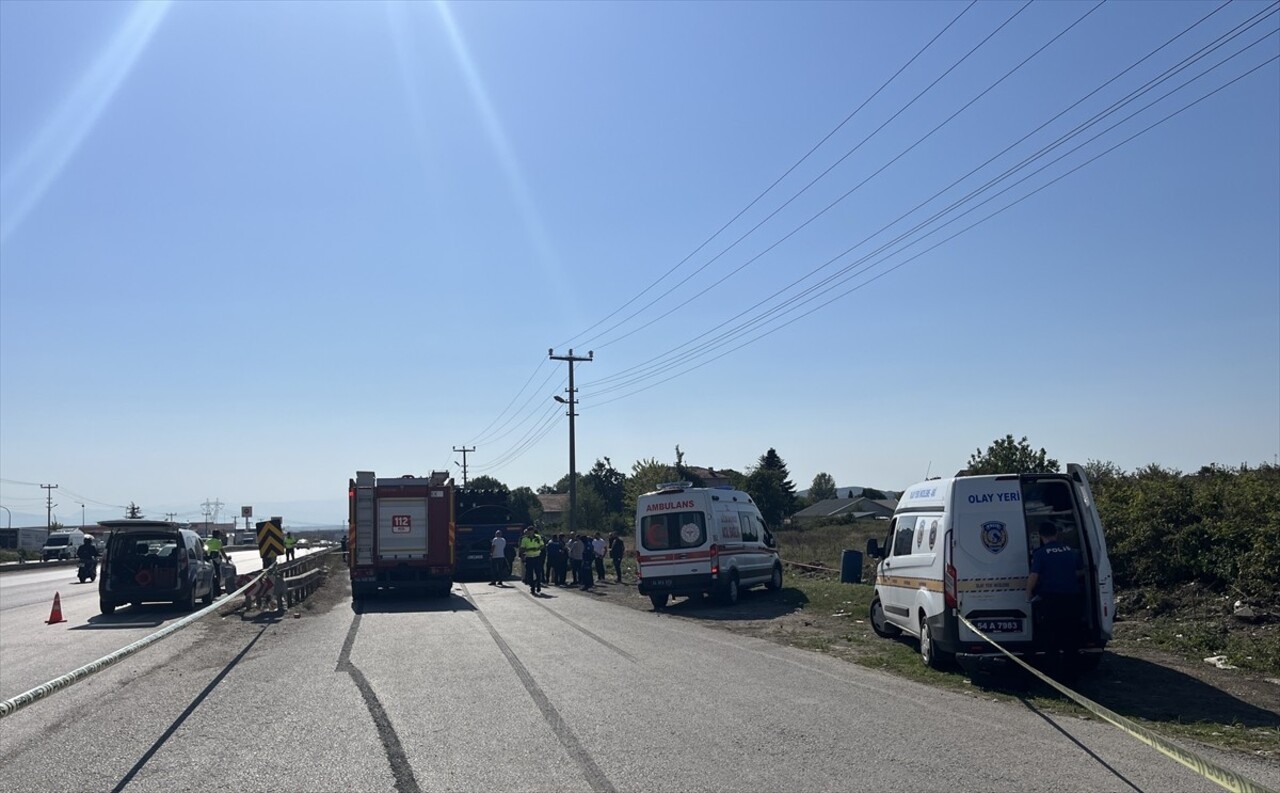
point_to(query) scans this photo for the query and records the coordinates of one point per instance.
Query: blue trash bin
(851, 567)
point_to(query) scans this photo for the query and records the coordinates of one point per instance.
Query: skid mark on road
(588, 633)
(594, 776)
(398, 760)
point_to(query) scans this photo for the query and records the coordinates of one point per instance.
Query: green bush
(1219, 527)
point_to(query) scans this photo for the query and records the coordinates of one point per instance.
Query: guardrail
(301, 576)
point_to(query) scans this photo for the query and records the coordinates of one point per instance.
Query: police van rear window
(673, 530)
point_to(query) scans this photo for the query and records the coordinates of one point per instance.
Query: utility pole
(49, 505)
(464, 451)
(571, 401)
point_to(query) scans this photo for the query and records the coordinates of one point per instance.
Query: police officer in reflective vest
(531, 545)
(213, 547)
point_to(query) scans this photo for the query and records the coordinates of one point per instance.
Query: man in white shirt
(498, 558)
(597, 544)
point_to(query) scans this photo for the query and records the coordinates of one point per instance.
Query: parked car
(150, 561)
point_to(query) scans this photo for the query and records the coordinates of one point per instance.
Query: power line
(1012, 204)
(768, 189)
(659, 363)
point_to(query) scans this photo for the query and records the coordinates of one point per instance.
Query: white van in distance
(698, 540)
(963, 546)
(62, 544)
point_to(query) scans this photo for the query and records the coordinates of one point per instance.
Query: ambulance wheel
(775, 580)
(929, 652)
(730, 593)
(659, 601)
(879, 624)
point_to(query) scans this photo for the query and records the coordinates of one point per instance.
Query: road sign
(246, 512)
(270, 539)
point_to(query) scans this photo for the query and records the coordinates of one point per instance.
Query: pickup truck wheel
(775, 580)
(188, 601)
(107, 607)
(208, 598)
(659, 601)
(879, 624)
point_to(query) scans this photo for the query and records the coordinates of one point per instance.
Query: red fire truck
(400, 533)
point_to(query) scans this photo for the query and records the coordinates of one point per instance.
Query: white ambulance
(698, 540)
(963, 546)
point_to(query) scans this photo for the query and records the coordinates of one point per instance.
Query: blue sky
(247, 249)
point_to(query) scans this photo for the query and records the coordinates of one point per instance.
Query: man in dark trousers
(616, 550)
(1054, 587)
(588, 560)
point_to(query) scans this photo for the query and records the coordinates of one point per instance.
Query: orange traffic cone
(56, 614)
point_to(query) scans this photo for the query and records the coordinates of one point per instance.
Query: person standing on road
(213, 547)
(497, 558)
(575, 559)
(588, 559)
(553, 550)
(616, 550)
(1054, 589)
(531, 550)
(289, 542)
(598, 548)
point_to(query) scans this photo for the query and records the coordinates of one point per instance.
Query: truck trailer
(400, 534)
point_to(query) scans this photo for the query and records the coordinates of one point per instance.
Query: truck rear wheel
(659, 601)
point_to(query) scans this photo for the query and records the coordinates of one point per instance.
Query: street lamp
(10, 514)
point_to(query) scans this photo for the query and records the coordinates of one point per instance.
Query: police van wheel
(879, 624)
(929, 653)
(775, 580)
(659, 601)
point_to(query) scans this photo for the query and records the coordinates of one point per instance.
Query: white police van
(963, 546)
(698, 540)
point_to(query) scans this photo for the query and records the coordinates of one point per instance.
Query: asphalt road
(492, 689)
(33, 652)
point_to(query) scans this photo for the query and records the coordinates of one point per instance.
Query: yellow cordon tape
(1205, 768)
(14, 704)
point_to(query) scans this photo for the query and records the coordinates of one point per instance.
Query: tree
(486, 483)
(770, 487)
(608, 482)
(1007, 456)
(873, 494)
(524, 505)
(646, 475)
(590, 514)
(823, 487)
